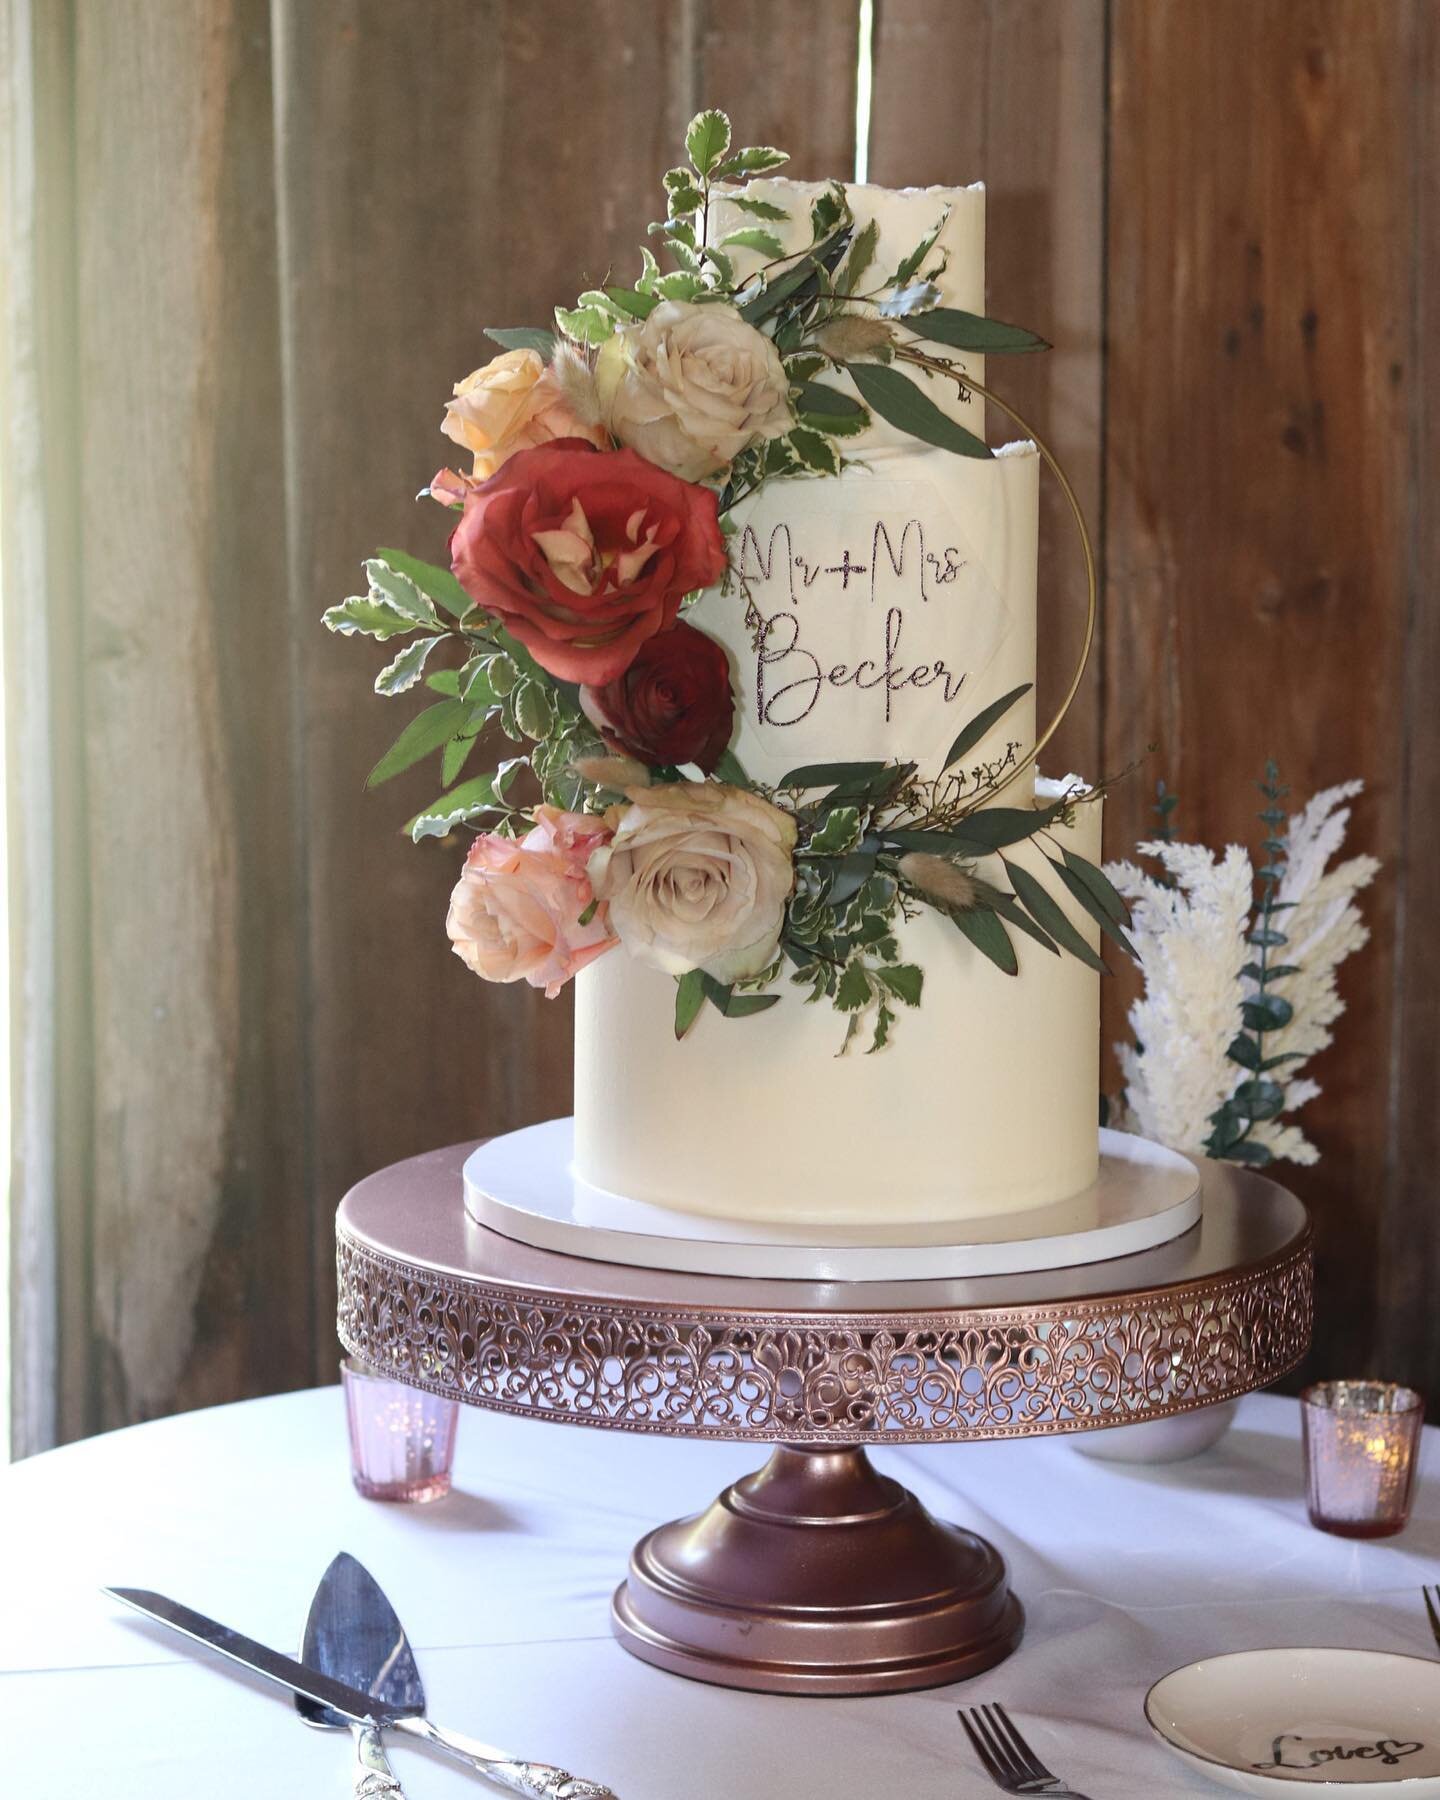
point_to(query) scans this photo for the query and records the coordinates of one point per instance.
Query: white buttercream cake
(877, 613)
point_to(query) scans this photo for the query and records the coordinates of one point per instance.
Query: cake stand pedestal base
(817, 1575)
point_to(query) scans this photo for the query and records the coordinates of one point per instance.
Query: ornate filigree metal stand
(818, 1574)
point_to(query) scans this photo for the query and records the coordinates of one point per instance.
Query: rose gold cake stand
(817, 1574)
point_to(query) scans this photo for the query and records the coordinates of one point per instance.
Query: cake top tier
(950, 220)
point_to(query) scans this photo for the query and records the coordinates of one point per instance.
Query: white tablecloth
(1126, 1572)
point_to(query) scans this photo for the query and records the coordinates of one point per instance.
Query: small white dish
(1362, 1723)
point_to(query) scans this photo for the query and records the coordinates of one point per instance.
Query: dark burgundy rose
(672, 705)
(585, 553)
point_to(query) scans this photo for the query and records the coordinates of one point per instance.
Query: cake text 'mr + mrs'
(789, 677)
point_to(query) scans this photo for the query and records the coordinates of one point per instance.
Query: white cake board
(523, 1186)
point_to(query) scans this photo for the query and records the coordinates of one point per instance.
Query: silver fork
(1432, 1606)
(1008, 1760)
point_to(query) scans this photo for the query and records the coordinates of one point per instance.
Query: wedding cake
(735, 568)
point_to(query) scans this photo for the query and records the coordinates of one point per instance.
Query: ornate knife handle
(535, 1781)
(374, 1778)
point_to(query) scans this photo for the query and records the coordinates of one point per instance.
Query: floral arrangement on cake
(1240, 978)
(606, 459)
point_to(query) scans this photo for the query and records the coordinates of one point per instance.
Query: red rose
(672, 705)
(585, 553)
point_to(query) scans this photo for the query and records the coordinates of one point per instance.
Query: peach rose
(697, 876)
(516, 910)
(512, 403)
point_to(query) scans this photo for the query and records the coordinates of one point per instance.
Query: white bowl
(1172, 1439)
(1359, 1722)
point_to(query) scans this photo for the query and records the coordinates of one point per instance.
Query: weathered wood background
(287, 223)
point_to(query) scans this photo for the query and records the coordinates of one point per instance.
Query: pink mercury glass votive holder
(1362, 1444)
(402, 1441)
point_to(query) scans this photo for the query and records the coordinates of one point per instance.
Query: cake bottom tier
(984, 1101)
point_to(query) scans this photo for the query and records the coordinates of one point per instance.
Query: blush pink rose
(516, 909)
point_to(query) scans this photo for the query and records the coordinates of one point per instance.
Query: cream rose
(513, 403)
(691, 387)
(696, 877)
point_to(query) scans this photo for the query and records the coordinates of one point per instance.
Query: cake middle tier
(985, 1100)
(871, 615)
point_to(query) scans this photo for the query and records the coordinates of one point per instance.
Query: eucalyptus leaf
(427, 731)
(524, 337)
(810, 775)
(1266, 1012)
(729, 768)
(1260, 1099)
(896, 398)
(1099, 885)
(989, 937)
(1092, 905)
(1047, 913)
(1255, 1156)
(1015, 916)
(1245, 1051)
(689, 998)
(407, 668)
(997, 826)
(969, 331)
(444, 681)
(991, 715)
(454, 759)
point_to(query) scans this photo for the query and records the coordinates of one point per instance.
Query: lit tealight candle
(1361, 1443)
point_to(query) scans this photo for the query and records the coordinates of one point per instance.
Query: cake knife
(535, 1781)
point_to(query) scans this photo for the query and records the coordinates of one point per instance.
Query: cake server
(536, 1781)
(351, 1633)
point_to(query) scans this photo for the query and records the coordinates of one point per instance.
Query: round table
(504, 1588)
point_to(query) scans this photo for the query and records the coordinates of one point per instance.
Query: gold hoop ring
(1052, 463)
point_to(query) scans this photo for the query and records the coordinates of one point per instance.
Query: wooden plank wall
(291, 222)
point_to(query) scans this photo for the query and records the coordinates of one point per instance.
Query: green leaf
(862, 254)
(707, 140)
(680, 284)
(735, 1006)
(997, 826)
(1092, 905)
(915, 298)
(721, 264)
(454, 758)
(439, 584)
(1260, 1099)
(854, 991)
(842, 425)
(815, 450)
(533, 712)
(1265, 939)
(776, 292)
(757, 209)
(689, 998)
(366, 616)
(407, 668)
(810, 775)
(839, 834)
(827, 212)
(751, 237)
(896, 398)
(969, 331)
(524, 337)
(1266, 1012)
(816, 398)
(1274, 1062)
(939, 843)
(1014, 916)
(1276, 972)
(447, 681)
(649, 271)
(1245, 1051)
(971, 735)
(481, 794)
(475, 688)
(427, 731)
(913, 261)
(904, 980)
(755, 159)
(990, 938)
(402, 593)
(1255, 1156)
(1099, 885)
(585, 324)
(1050, 916)
(730, 769)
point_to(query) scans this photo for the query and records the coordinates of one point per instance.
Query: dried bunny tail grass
(617, 772)
(576, 381)
(940, 879)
